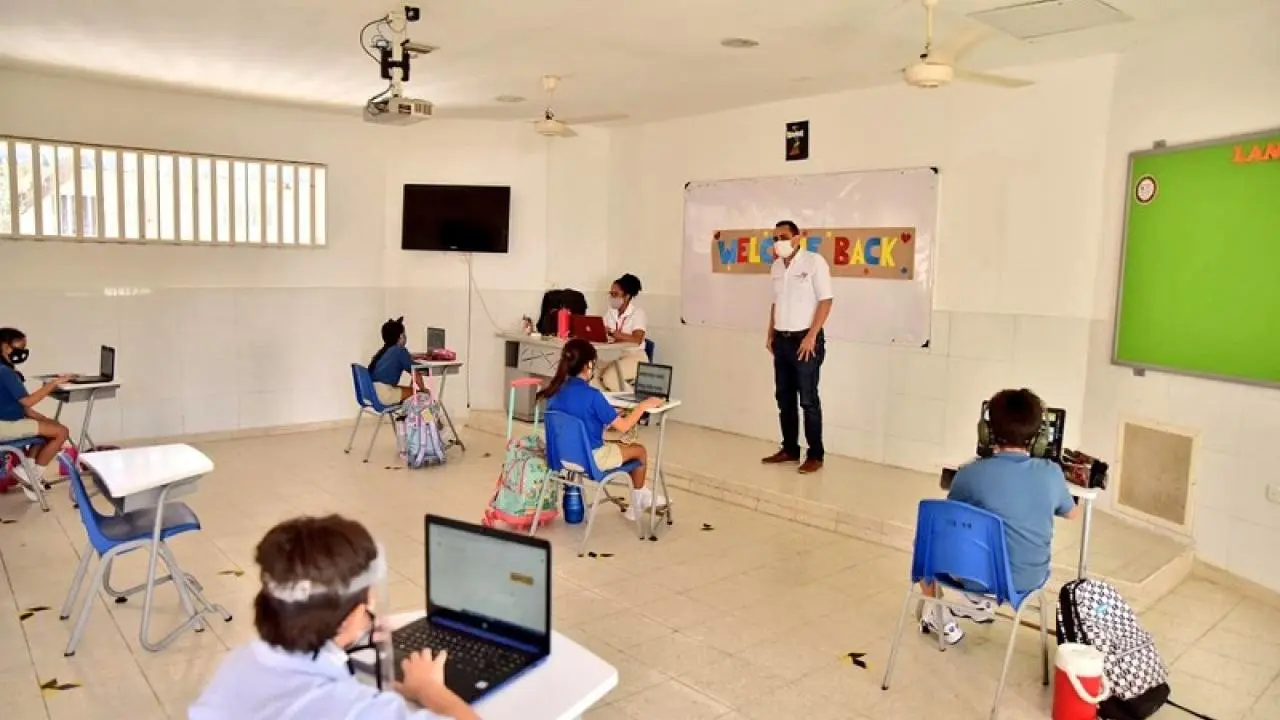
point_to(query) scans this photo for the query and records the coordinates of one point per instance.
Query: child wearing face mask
(624, 323)
(314, 605)
(18, 416)
(391, 363)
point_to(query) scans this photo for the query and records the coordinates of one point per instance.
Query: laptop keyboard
(468, 654)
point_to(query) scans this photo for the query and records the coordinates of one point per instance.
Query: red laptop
(588, 327)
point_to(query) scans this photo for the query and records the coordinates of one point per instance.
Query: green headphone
(987, 441)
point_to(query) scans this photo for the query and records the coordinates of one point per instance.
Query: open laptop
(651, 381)
(106, 368)
(587, 327)
(435, 339)
(488, 604)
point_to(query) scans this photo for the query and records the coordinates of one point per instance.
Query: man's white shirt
(797, 290)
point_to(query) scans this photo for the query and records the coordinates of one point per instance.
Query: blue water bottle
(574, 512)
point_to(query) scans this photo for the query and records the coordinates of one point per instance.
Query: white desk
(86, 393)
(1086, 497)
(659, 479)
(538, 355)
(564, 686)
(441, 369)
(142, 480)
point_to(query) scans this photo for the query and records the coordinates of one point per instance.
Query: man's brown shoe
(782, 456)
(810, 466)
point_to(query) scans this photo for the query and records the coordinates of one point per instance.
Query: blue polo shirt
(11, 393)
(395, 362)
(1026, 493)
(577, 398)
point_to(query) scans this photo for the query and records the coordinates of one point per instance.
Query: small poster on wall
(798, 140)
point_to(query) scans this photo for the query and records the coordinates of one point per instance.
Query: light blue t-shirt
(577, 398)
(1026, 493)
(395, 362)
(261, 682)
(11, 393)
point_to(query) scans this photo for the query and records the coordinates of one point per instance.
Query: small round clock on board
(1146, 189)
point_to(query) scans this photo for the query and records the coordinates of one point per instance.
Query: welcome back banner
(884, 253)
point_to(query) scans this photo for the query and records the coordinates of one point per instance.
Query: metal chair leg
(86, 556)
(179, 582)
(352, 440)
(591, 518)
(552, 481)
(1044, 635)
(374, 438)
(897, 638)
(1008, 659)
(86, 607)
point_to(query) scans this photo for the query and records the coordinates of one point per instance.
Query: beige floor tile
(671, 699)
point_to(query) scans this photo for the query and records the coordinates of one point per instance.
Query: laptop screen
(107, 362)
(653, 379)
(435, 339)
(483, 575)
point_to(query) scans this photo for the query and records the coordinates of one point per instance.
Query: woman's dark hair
(9, 336)
(328, 551)
(629, 284)
(1016, 417)
(391, 332)
(574, 358)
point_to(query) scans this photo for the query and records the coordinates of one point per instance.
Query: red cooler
(1079, 684)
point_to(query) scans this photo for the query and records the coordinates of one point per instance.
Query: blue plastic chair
(572, 463)
(956, 542)
(369, 404)
(21, 448)
(111, 536)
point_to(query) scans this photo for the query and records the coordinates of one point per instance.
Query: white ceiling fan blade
(951, 50)
(987, 79)
(595, 119)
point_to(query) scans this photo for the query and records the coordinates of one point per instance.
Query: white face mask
(615, 303)
(783, 249)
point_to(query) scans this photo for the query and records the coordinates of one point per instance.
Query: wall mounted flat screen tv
(458, 218)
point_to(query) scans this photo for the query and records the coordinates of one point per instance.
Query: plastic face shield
(373, 581)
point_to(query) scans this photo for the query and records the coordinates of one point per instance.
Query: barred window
(53, 190)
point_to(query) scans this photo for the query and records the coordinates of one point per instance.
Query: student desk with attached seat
(659, 478)
(87, 393)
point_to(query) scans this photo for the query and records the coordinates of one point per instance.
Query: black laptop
(651, 381)
(488, 604)
(106, 368)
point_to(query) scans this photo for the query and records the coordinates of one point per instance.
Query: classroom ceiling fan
(551, 126)
(937, 64)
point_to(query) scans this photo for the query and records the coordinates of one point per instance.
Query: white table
(144, 479)
(441, 369)
(86, 393)
(564, 686)
(538, 355)
(659, 479)
(1086, 496)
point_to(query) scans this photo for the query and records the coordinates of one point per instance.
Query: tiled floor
(751, 618)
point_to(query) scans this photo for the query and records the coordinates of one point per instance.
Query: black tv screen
(461, 218)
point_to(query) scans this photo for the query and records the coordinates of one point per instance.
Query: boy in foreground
(1025, 492)
(317, 574)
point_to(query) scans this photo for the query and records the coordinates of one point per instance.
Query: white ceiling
(647, 58)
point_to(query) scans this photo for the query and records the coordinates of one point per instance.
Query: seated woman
(624, 323)
(570, 392)
(390, 363)
(18, 416)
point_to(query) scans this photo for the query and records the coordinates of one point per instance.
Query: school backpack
(524, 474)
(1092, 612)
(423, 444)
(552, 301)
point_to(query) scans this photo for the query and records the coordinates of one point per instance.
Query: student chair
(524, 382)
(959, 542)
(19, 449)
(369, 404)
(572, 463)
(111, 536)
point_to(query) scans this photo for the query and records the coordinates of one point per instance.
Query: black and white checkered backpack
(1091, 612)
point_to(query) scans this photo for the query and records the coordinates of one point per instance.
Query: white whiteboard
(865, 310)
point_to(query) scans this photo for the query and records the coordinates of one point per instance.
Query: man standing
(801, 304)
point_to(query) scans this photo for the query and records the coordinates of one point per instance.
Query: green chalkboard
(1199, 289)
